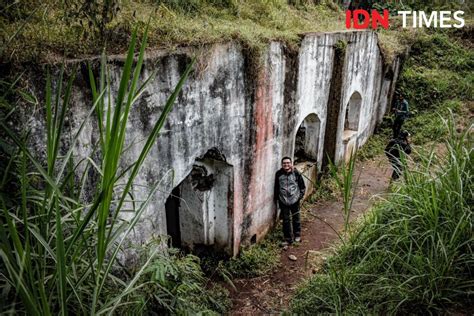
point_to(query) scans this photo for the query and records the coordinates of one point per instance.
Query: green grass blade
(61, 263)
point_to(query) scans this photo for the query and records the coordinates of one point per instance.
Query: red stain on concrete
(260, 179)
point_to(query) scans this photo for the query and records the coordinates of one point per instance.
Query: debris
(292, 257)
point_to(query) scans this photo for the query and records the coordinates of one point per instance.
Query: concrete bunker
(199, 209)
(351, 124)
(306, 149)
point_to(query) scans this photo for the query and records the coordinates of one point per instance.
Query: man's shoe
(297, 239)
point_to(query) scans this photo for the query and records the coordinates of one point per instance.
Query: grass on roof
(45, 33)
(51, 30)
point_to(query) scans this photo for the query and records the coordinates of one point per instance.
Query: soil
(271, 294)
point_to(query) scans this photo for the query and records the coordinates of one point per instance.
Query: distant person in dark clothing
(361, 5)
(401, 113)
(393, 152)
(289, 190)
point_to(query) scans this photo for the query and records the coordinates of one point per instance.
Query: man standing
(393, 152)
(401, 113)
(289, 190)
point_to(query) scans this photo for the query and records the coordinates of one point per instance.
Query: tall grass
(58, 251)
(414, 252)
(344, 178)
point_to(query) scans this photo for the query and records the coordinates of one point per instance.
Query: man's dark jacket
(289, 187)
(394, 148)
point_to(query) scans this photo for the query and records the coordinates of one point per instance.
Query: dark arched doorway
(198, 211)
(307, 139)
(351, 124)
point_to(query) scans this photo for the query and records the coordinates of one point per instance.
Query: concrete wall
(249, 115)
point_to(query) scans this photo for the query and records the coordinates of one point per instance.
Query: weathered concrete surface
(249, 117)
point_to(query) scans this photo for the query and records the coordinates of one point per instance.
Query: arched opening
(307, 139)
(352, 117)
(199, 208)
(351, 125)
(306, 150)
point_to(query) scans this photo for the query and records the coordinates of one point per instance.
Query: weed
(344, 177)
(59, 252)
(174, 283)
(257, 259)
(325, 190)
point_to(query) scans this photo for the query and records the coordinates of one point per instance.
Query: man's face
(287, 165)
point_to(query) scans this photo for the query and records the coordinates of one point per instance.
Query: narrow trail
(270, 294)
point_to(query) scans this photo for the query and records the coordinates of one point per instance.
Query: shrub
(430, 126)
(174, 283)
(257, 259)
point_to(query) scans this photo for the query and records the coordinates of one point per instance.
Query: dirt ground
(270, 294)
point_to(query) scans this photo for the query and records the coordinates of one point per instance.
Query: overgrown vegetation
(325, 189)
(414, 252)
(437, 78)
(59, 248)
(50, 29)
(175, 283)
(346, 184)
(422, 5)
(257, 259)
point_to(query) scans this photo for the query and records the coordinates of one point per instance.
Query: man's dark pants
(291, 215)
(397, 168)
(397, 125)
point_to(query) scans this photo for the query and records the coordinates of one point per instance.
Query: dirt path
(270, 294)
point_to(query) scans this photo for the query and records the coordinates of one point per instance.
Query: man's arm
(301, 185)
(407, 148)
(276, 187)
